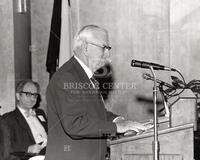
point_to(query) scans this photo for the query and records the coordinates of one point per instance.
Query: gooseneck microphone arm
(167, 112)
(149, 77)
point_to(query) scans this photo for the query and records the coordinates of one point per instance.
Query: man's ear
(84, 47)
(17, 96)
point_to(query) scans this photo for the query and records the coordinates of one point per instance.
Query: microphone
(149, 77)
(142, 64)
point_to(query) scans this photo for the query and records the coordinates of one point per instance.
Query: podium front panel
(175, 143)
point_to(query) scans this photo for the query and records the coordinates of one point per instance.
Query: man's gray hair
(84, 34)
(22, 83)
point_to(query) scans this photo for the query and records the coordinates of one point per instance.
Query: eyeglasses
(29, 94)
(104, 46)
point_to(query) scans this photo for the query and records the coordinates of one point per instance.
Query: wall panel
(161, 31)
(138, 30)
(7, 75)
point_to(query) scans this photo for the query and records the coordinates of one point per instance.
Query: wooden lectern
(183, 109)
(176, 135)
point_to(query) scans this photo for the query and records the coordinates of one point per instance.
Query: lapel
(80, 72)
(21, 121)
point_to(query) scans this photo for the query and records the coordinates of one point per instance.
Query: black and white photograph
(100, 80)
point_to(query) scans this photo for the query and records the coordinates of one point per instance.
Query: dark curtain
(54, 39)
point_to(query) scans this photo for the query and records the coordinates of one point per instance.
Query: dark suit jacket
(78, 122)
(16, 132)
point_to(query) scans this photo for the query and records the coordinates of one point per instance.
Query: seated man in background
(25, 128)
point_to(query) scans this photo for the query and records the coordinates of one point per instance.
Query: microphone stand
(155, 143)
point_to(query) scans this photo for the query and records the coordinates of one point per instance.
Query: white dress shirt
(38, 131)
(87, 70)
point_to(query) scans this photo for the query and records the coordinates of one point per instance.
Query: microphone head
(133, 63)
(146, 76)
(140, 64)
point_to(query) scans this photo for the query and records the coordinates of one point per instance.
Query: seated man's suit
(18, 133)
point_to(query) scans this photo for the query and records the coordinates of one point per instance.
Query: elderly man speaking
(78, 121)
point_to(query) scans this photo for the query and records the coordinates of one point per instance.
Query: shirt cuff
(117, 119)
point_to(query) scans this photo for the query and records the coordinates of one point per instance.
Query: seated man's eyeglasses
(103, 46)
(29, 94)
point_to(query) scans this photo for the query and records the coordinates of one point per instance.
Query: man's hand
(124, 126)
(35, 148)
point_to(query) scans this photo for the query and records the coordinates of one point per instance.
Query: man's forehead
(29, 86)
(100, 37)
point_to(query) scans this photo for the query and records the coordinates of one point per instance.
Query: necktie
(96, 86)
(95, 82)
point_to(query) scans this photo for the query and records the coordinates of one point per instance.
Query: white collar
(23, 110)
(86, 68)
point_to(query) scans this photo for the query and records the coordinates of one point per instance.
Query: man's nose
(33, 98)
(106, 53)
